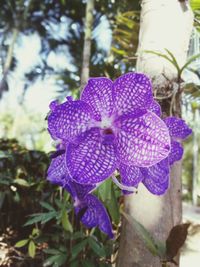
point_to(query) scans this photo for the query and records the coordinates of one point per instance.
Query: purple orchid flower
(113, 124)
(89, 210)
(156, 178)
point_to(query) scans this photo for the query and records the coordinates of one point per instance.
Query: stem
(123, 187)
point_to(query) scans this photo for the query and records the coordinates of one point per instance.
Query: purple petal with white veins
(142, 140)
(57, 172)
(158, 172)
(156, 178)
(130, 175)
(156, 188)
(176, 152)
(69, 119)
(155, 107)
(79, 190)
(177, 127)
(98, 94)
(96, 215)
(132, 91)
(90, 160)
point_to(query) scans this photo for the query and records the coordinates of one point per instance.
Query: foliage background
(40, 60)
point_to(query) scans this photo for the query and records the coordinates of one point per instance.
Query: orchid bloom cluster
(115, 127)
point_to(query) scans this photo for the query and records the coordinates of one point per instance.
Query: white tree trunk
(195, 160)
(164, 25)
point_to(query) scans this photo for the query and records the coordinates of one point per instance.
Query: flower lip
(108, 131)
(106, 124)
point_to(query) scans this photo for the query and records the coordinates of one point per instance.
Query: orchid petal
(142, 140)
(130, 175)
(90, 160)
(132, 91)
(96, 215)
(156, 178)
(155, 107)
(177, 128)
(98, 94)
(69, 119)
(57, 172)
(176, 152)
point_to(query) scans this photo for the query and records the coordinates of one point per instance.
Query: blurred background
(41, 47)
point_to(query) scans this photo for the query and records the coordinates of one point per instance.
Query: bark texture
(8, 62)
(87, 43)
(164, 25)
(195, 160)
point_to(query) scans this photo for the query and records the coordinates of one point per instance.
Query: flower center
(106, 122)
(108, 131)
(106, 125)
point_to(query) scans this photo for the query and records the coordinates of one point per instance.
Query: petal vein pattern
(132, 91)
(69, 119)
(96, 215)
(90, 160)
(176, 152)
(142, 140)
(130, 175)
(57, 172)
(177, 128)
(98, 94)
(156, 178)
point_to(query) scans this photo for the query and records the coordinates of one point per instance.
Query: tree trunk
(164, 25)
(87, 42)
(8, 62)
(195, 159)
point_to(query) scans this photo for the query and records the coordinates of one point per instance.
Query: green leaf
(161, 249)
(78, 235)
(112, 206)
(145, 236)
(195, 4)
(47, 206)
(41, 217)
(21, 182)
(52, 251)
(190, 61)
(74, 263)
(35, 218)
(175, 63)
(63, 2)
(78, 248)
(104, 190)
(35, 232)
(31, 249)
(65, 222)
(21, 243)
(96, 247)
(59, 203)
(160, 55)
(55, 260)
(61, 259)
(118, 51)
(87, 263)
